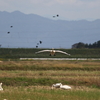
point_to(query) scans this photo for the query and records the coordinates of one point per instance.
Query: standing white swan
(57, 85)
(52, 52)
(65, 87)
(1, 87)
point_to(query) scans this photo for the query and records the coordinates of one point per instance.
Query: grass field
(46, 93)
(16, 53)
(32, 80)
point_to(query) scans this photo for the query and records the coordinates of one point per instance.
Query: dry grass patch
(75, 73)
(86, 78)
(58, 73)
(49, 65)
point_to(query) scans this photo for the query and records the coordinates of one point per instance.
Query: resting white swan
(57, 85)
(1, 87)
(65, 87)
(52, 52)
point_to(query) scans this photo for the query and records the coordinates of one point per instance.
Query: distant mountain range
(19, 30)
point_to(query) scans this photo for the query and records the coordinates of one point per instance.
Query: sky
(67, 9)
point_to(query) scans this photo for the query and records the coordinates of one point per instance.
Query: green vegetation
(45, 93)
(16, 53)
(82, 45)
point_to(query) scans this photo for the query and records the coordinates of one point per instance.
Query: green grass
(46, 93)
(27, 78)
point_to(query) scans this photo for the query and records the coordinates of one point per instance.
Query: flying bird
(40, 42)
(8, 32)
(11, 26)
(57, 15)
(37, 43)
(52, 52)
(36, 46)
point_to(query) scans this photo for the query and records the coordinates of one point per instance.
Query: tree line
(83, 45)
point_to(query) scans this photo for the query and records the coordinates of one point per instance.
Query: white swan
(65, 87)
(1, 87)
(57, 85)
(52, 52)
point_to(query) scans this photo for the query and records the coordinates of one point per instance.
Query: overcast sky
(67, 9)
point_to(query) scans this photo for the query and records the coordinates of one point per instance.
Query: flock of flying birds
(52, 51)
(40, 42)
(9, 31)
